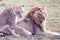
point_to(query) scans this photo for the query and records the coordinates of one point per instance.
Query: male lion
(38, 16)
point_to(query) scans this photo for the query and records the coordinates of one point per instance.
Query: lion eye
(40, 21)
(39, 14)
(32, 12)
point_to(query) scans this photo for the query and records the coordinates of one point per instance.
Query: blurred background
(52, 8)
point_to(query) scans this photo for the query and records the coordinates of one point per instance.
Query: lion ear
(14, 6)
(43, 7)
(22, 5)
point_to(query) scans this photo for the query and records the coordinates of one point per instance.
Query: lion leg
(44, 31)
(47, 31)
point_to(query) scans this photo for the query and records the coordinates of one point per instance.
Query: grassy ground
(52, 8)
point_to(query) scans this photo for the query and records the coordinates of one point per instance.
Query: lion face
(18, 10)
(38, 15)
